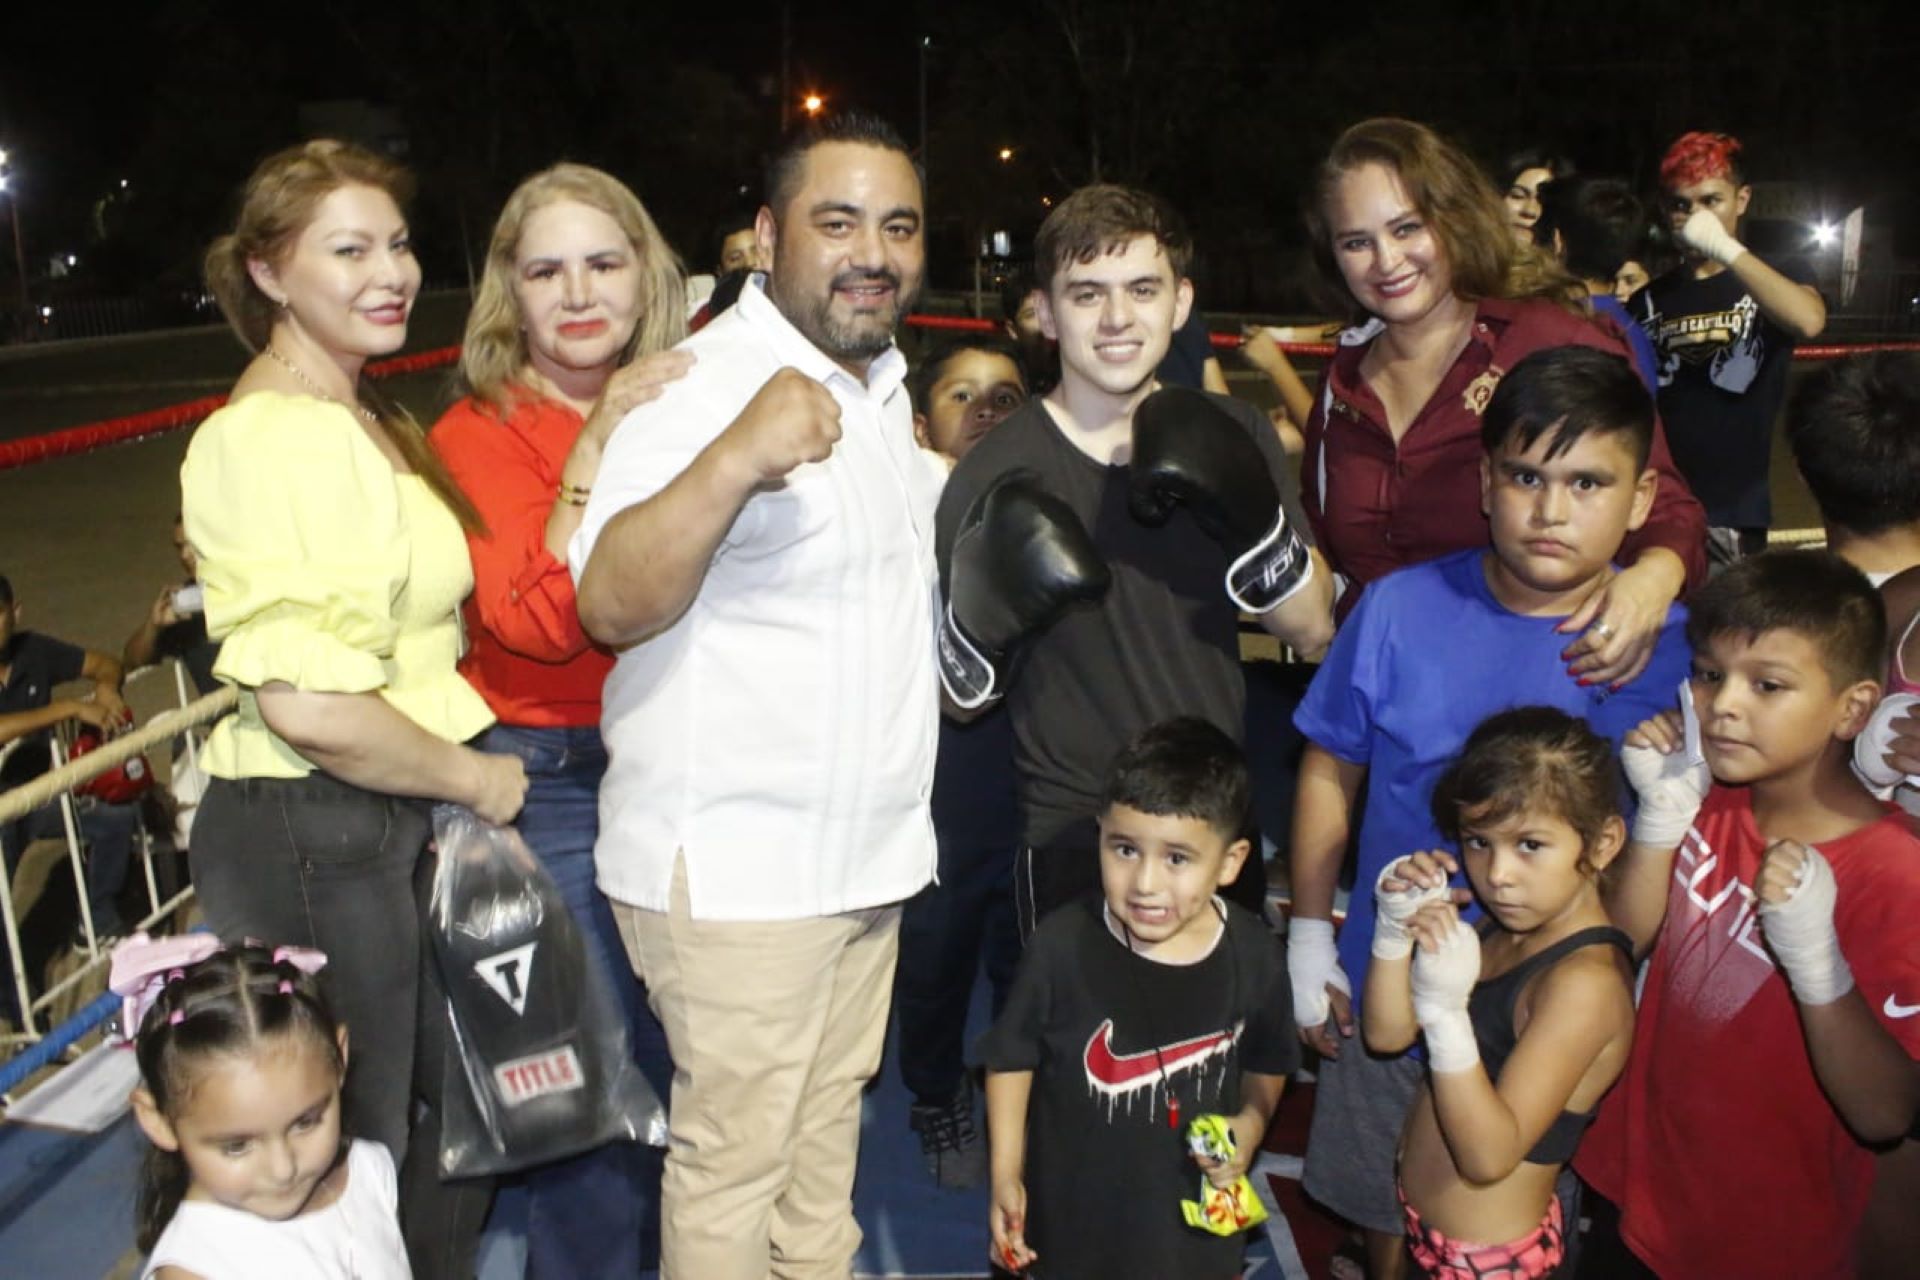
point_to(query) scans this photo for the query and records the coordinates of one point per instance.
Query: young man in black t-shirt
(1161, 635)
(1723, 323)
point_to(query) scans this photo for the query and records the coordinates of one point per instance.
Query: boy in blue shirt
(1427, 654)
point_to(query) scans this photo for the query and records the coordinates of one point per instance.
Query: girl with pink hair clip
(241, 1064)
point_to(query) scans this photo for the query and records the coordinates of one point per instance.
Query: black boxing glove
(516, 971)
(1187, 451)
(1020, 559)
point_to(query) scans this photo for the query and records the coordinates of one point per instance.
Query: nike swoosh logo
(1112, 1072)
(1894, 1009)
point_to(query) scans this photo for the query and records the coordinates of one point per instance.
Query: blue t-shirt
(1645, 362)
(1426, 655)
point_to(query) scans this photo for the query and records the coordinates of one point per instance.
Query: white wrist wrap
(1800, 932)
(1705, 232)
(1313, 964)
(1442, 984)
(1391, 941)
(1450, 1043)
(1667, 807)
(1870, 748)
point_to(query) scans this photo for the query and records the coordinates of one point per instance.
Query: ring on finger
(1603, 629)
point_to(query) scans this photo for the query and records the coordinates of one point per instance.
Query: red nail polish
(1584, 682)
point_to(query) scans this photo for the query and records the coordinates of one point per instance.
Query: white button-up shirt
(781, 733)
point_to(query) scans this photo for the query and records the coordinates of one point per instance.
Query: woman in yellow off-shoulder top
(334, 558)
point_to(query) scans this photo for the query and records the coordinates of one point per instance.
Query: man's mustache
(854, 279)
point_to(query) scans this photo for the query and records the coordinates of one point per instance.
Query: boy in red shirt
(1777, 1030)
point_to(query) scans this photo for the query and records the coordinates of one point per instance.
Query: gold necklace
(367, 415)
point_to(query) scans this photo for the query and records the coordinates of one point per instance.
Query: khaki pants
(775, 1029)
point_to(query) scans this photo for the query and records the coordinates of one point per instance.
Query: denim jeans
(320, 863)
(596, 1214)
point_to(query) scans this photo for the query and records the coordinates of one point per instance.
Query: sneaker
(951, 1145)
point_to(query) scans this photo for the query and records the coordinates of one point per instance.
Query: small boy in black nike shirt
(1135, 1011)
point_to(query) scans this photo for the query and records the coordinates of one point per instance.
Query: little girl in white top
(241, 1064)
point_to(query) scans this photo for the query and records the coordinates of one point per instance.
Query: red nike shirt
(1725, 1157)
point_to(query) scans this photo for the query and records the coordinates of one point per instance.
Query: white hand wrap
(1705, 233)
(1442, 983)
(1671, 792)
(1870, 748)
(1313, 965)
(1800, 931)
(1391, 941)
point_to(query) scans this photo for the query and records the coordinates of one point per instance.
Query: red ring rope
(138, 426)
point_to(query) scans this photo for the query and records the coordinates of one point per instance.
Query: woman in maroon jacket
(1412, 232)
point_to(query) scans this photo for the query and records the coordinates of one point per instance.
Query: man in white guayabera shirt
(759, 547)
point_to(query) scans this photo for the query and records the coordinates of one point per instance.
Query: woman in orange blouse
(580, 301)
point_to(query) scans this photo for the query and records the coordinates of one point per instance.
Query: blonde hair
(494, 355)
(276, 205)
(1457, 202)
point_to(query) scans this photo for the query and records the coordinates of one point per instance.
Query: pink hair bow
(143, 966)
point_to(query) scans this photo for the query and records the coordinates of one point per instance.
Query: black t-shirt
(1185, 364)
(1096, 1025)
(36, 664)
(1723, 374)
(1163, 642)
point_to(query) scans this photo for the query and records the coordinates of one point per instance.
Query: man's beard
(861, 337)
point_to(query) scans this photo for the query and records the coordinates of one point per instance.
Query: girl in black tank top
(1525, 1022)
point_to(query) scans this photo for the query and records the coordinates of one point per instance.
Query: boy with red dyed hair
(1723, 323)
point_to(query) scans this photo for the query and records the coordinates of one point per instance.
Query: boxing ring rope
(58, 785)
(153, 422)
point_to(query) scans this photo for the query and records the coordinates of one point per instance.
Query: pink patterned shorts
(1531, 1257)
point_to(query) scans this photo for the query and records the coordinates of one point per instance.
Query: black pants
(316, 862)
(947, 932)
(321, 863)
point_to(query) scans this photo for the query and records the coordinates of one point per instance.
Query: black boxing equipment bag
(542, 1064)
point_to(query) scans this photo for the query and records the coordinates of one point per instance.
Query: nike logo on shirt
(1894, 1009)
(1114, 1073)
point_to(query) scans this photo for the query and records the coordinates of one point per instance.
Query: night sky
(1227, 107)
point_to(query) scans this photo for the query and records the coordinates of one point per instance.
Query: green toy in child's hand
(1223, 1211)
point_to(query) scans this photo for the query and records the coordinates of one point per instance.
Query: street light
(812, 103)
(13, 210)
(1006, 154)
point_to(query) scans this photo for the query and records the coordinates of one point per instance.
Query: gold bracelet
(574, 495)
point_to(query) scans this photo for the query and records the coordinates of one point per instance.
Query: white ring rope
(24, 799)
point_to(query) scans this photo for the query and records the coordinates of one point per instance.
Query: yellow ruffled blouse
(324, 568)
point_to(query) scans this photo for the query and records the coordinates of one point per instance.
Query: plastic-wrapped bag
(540, 1067)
